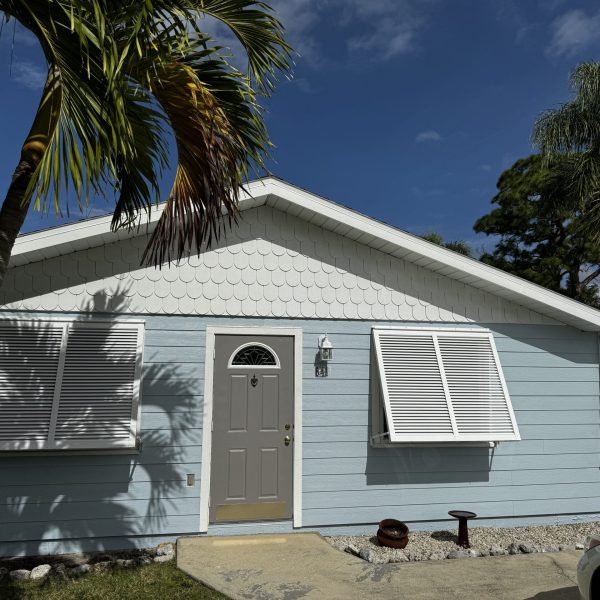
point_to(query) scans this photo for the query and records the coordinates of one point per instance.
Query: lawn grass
(151, 582)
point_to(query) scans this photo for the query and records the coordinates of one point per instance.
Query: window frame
(50, 445)
(380, 406)
(230, 364)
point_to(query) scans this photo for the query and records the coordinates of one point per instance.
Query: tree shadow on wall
(50, 499)
(418, 465)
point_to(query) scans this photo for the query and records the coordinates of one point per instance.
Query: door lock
(287, 439)
(287, 426)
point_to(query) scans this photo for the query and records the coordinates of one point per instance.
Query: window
(69, 385)
(442, 386)
(254, 355)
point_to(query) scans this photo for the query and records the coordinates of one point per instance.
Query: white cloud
(15, 31)
(303, 85)
(486, 168)
(385, 41)
(299, 18)
(28, 74)
(574, 31)
(391, 26)
(428, 136)
(387, 28)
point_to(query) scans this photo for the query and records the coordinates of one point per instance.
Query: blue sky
(406, 110)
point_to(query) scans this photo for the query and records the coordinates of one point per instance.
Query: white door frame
(207, 422)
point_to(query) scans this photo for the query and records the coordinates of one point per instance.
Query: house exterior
(140, 404)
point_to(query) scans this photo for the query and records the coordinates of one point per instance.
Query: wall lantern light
(326, 348)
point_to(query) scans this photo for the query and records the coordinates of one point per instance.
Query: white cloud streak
(428, 136)
(388, 28)
(572, 32)
(28, 74)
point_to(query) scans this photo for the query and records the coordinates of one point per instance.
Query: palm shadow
(51, 502)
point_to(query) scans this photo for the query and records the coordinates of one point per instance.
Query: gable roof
(341, 220)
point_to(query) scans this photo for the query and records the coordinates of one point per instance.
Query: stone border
(370, 554)
(63, 568)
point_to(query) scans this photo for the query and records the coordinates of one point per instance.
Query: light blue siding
(64, 502)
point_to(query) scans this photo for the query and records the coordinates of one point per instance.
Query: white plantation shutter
(443, 386)
(91, 394)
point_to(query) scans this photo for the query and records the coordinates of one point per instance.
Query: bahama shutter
(443, 386)
(100, 386)
(29, 363)
(79, 388)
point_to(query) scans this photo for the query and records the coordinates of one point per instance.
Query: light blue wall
(62, 503)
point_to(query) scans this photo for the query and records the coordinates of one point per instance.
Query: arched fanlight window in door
(254, 354)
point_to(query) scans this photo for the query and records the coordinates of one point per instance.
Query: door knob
(287, 439)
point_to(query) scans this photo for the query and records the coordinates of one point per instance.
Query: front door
(253, 428)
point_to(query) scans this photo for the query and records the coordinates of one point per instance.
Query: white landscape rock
(370, 555)
(164, 558)
(80, 570)
(514, 548)
(397, 556)
(352, 549)
(20, 575)
(125, 562)
(166, 549)
(40, 572)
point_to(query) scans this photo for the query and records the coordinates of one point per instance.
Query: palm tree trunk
(17, 201)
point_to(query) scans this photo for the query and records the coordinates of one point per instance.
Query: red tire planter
(392, 539)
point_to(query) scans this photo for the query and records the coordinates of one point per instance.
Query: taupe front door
(253, 428)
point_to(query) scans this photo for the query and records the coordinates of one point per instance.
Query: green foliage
(120, 75)
(540, 224)
(141, 583)
(569, 138)
(457, 246)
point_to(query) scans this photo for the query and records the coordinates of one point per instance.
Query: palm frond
(120, 75)
(569, 139)
(207, 181)
(257, 29)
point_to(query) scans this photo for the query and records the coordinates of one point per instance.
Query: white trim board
(333, 217)
(207, 421)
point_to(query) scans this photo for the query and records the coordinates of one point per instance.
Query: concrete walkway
(304, 565)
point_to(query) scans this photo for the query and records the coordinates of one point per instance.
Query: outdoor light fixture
(326, 348)
(324, 355)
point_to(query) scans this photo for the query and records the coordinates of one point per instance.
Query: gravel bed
(485, 541)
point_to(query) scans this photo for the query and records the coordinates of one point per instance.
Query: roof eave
(334, 217)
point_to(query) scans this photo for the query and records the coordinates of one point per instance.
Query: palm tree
(119, 75)
(570, 136)
(458, 245)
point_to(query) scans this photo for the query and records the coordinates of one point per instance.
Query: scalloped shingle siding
(272, 265)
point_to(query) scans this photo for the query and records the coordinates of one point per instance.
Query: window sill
(377, 444)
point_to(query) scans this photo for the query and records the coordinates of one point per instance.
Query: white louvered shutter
(29, 363)
(69, 385)
(443, 386)
(415, 390)
(481, 407)
(98, 396)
